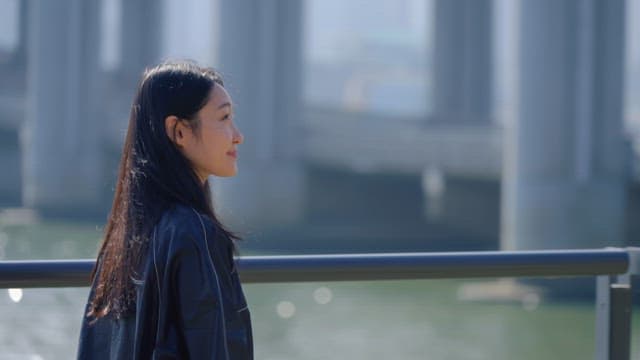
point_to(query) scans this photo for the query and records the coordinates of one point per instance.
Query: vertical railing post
(620, 320)
(613, 319)
(613, 311)
(603, 314)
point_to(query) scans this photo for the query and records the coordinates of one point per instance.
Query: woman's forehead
(219, 100)
(219, 97)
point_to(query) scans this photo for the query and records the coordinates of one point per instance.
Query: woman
(165, 285)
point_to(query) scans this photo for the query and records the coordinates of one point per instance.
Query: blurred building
(370, 125)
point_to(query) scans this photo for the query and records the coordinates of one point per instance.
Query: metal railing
(613, 268)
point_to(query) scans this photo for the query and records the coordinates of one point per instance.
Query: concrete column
(462, 96)
(138, 47)
(61, 157)
(565, 169)
(462, 62)
(140, 38)
(12, 106)
(260, 56)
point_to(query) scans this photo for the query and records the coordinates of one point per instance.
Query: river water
(416, 319)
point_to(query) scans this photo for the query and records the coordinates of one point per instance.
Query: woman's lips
(233, 154)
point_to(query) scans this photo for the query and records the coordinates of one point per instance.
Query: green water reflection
(417, 319)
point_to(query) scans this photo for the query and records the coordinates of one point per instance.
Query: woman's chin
(227, 173)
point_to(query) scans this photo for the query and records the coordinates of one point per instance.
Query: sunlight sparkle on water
(15, 295)
(286, 309)
(323, 295)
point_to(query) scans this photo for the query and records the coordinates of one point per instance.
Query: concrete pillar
(138, 47)
(260, 56)
(61, 157)
(12, 106)
(462, 62)
(565, 171)
(140, 38)
(462, 96)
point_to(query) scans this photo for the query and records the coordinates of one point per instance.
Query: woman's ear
(175, 130)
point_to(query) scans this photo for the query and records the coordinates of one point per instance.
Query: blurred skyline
(430, 104)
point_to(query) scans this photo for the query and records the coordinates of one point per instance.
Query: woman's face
(212, 149)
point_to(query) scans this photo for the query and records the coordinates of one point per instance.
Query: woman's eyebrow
(223, 105)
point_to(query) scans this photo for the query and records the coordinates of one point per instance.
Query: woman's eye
(226, 117)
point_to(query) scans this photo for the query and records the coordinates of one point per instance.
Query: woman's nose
(238, 138)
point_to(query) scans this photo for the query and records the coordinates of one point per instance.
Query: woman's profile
(165, 285)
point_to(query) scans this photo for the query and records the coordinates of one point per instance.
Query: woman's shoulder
(183, 217)
(182, 225)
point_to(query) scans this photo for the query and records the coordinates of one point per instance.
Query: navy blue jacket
(189, 303)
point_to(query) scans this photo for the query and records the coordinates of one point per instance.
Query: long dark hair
(153, 175)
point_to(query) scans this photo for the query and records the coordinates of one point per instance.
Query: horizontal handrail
(349, 267)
